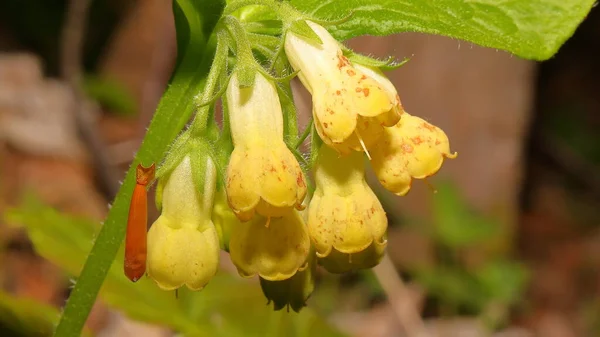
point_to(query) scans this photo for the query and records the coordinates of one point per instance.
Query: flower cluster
(252, 198)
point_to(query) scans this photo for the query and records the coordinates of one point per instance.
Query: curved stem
(212, 81)
(171, 115)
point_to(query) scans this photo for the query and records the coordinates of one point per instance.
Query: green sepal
(315, 145)
(223, 147)
(215, 97)
(201, 150)
(385, 65)
(158, 194)
(265, 46)
(290, 114)
(175, 155)
(246, 72)
(293, 292)
(223, 218)
(301, 28)
(266, 27)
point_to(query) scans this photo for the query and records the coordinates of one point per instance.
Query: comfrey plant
(243, 185)
(274, 228)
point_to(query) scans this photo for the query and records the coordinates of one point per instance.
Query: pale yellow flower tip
(275, 249)
(342, 92)
(344, 214)
(262, 175)
(413, 148)
(183, 246)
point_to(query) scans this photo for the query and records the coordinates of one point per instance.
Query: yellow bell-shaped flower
(275, 249)
(183, 247)
(344, 215)
(350, 103)
(263, 175)
(413, 148)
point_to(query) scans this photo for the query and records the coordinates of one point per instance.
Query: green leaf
(110, 93)
(194, 20)
(66, 241)
(503, 280)
(533, 29)
(456, 226)
(26, 317)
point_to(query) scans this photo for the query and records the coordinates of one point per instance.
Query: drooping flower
(263, 175)
(412, 149)
(183, 247)
(351, 103)
(345, 217)
(275, 249)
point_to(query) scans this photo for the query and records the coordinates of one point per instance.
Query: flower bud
(183, 247)
(262, 175)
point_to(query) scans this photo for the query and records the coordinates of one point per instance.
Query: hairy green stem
(173, 112)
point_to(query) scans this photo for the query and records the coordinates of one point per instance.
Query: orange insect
(135, 240)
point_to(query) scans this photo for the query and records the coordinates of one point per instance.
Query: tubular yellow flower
(275, 251)
(344, 215)
(263, 175)
(350, 102)
(411, 149)
(183, 247)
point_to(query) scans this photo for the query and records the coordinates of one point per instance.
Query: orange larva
(135, 240)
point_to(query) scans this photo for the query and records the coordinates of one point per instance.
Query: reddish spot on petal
(428, 126)
(358, 89)
(417, 140)
(363, 77)
(350, 72)
(300, 180)
(366, 92)
(342, 61)
(273, 169)
(325, 125)
(437, 142)
(337, 92)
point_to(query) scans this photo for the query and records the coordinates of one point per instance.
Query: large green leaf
(533, 29)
